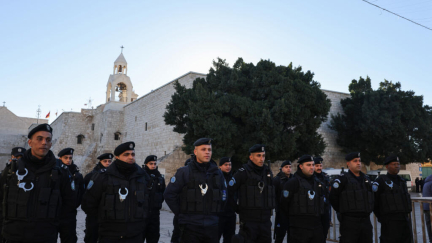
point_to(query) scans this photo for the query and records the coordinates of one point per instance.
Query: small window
(135, 118)
(117, 136)
(93, 127)
(80, 139)
(165, 152)
(101, 137)
(146, 126)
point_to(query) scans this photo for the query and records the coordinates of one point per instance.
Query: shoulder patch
(173, 179)
(375, 187)
(336, 183)
(90, 184)
(285, 193)
(232, 182)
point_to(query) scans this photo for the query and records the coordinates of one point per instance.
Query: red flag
(47, 116)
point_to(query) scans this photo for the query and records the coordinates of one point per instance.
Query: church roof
(120, 59)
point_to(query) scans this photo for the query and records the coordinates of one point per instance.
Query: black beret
(318, 160)
(391, 158)
(305, 158)
(42, 127)
(150, 158)
(257, 148)
(18, 151)
(223, 160)
(66, 151)
(124, 147)
(105, 156)
(352, 156)
(203, 141)
(286, 162)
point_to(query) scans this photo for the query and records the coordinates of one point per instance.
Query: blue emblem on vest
(232, 182)
(173, 179)
(224, 196)
(374, 188)
(90, 184)
(73, 185)
(335, 185)
(285, 193)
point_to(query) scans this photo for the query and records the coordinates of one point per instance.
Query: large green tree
(384, 121)
(279, 106)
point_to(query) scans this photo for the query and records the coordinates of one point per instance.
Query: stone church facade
(125, 117)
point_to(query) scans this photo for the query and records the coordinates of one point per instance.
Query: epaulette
(241, 169)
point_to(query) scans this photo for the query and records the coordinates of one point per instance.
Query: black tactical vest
(250, 194)
(309, 200)
(356, 197)
(157, 186)
(40, 202)
(191, 199)
(133, 208)
(395, 198)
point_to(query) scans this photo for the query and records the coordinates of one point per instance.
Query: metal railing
(417, 210)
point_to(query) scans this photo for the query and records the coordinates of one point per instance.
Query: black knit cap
(203, 141)
(223, 160)
(257, 148)
(105, 156)
(352, 156)
(305, 158)
(17, 151)
(124, 147)
(391, 158)
(150, 158)
(318, 160)
(42, 127)
(286, 162)
(66, 151)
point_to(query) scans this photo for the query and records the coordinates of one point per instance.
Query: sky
(59, 54)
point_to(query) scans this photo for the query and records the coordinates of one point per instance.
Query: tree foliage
(279, 106)
(384, 121)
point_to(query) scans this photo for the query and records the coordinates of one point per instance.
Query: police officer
(67, 227)
(156, 190)
(197, 193)
(34, 191)
(325, 180)
(120, 196)
(303, 202)
(351, 195)
(227, 218)
(393, 204)
(254, 186)
(16, 154)
(281, 221)
(91, 231)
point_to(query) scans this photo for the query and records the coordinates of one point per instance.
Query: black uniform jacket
(175, 187)
(92, 202)
(31, 228)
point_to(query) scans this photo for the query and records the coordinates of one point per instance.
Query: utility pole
(38, 111)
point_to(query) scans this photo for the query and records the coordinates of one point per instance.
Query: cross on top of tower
(122, 49)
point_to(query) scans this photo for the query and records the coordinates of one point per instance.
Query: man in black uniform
(393, 204)
(35, 191)
(67, 227)
(91, 231)
(156, 190)
(351, 195)
(197, 193)
(120, 196)
(325, 180)
(281, 221)
(303, 202)
(254, 187)
(227, 218)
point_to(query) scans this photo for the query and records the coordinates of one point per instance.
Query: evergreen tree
(279, 106)
(384, 121)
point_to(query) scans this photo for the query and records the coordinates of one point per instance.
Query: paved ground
(167, 227)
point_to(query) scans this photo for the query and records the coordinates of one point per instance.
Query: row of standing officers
(123, 201)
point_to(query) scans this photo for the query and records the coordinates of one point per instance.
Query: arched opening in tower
(121, 92)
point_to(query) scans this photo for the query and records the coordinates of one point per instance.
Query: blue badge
(73, 185)
(232, 182)
(285, 193)
(90, 184)
(224, 196)
(173, 179)
(335, 185)
(278, 225)
(374, 188)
